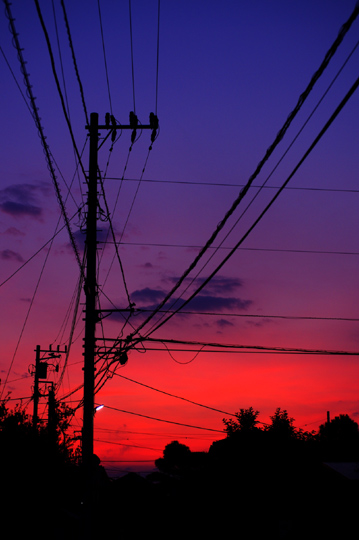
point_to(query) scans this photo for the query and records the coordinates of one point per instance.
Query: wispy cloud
(9, 255)
(223, 323)
(22, 200)
(80, 237)
(217, 285)
(221, 284)
(216, 301)
(13, 231)
(148, 296)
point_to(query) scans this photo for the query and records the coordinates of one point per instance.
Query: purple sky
(229, 75)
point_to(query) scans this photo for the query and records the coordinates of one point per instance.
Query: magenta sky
(229, 75)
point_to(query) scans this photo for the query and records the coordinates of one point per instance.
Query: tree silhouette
(39, 479)
(246, 420)
(339, 439)
(175, 459)
(282, 425)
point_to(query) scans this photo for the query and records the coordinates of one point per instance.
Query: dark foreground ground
(261, 500)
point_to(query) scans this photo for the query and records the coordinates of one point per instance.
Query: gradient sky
(229, 75)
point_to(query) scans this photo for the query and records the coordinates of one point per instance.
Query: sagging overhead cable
(332, 50)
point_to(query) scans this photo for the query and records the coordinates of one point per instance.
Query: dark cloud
(203, 303)
(19, 209)
(147, 295)
(80, 237)
(222, 323)
(221, 284)
(217, 285)
(13, 231)
(22, 200)
(217, 303)
(259, 322)
(150, 299)
(9, 255)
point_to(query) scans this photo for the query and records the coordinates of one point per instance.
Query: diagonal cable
(342, 32)
(344, 101)
(74, 60)
(52, 60)
(36, 117)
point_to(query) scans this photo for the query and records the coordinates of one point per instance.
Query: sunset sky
(223, 78)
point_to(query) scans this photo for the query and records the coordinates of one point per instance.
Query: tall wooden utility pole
(91, 316)
(91, 311)
(91, 293)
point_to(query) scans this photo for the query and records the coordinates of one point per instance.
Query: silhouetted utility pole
(90, 287)
(91, 313)
(52, 413)
(91, 293)
(36, 394)
(40, 374)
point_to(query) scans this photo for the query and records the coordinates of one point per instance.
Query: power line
(74, 60)
(266, 180)
(310, 149)
(231, 185)
(35, 114)
(158, 52)
(52, 61)
(25, 321)
(256, 350)
(252, 315)
(132, 63)
(60, 57)
(136, 193)
(128, 445)
(31, 113)
(158, 435)
(37, 252)
(240, 347)
(344, 29)
(104, 55)
(16, 82)
(173, 395)
(254, 347)
(162, 420)
(196, 246)
(114, 239)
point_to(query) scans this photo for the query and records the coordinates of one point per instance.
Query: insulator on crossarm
(153, 121)
(133, 120)
(133, 125)
(114, 128)
(153, 126)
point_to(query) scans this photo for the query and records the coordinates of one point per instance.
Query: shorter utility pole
(39, 370)
(52, 413)
(36, 394)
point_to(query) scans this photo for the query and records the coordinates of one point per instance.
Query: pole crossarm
(112, 125)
